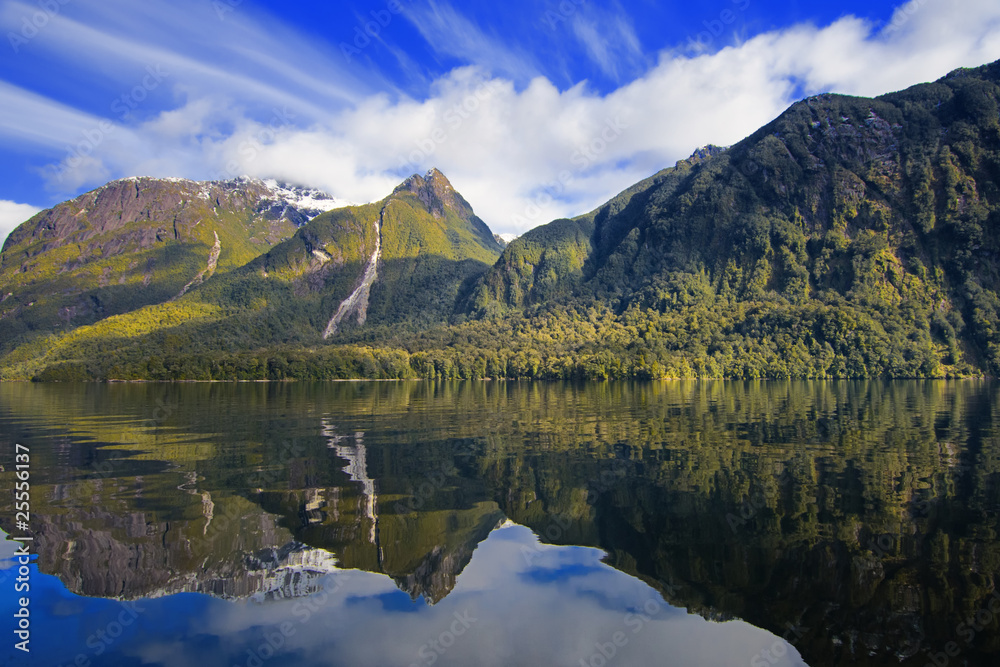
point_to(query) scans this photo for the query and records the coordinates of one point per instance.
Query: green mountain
(549, 262)
(401, 262)
(850, 237)
(135, 242)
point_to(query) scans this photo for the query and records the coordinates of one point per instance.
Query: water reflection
(564, 607)
(857, 521)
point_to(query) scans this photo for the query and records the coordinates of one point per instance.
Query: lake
(487, 523)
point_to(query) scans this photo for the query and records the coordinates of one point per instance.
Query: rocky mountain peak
(707, 151)
(436, 192)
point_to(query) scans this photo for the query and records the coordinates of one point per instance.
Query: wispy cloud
(35, 120)
(235, 55)
(609, 40)
(450, 33)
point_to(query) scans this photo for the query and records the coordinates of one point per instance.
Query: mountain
(312, 516)
(136, 556)
(402, 262)
(850, 237)
(504, 239)
(138, 241)
(550, 260)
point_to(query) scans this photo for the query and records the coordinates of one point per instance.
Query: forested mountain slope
(850, 236)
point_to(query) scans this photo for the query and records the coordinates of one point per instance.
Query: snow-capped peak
(310, 201)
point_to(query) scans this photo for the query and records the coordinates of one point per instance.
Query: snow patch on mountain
(296, 203)
(309, 201)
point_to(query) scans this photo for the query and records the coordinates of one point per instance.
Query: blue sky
(534, 110)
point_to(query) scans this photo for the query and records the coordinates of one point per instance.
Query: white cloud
(230, 51)
(13, 214)
(521, 153)
(550, 611)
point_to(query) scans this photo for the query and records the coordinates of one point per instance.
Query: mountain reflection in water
(632, 524)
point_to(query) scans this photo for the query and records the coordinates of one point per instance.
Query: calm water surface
(682, 523)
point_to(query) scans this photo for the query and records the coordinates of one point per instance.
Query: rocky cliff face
(228, 547)
(435, 192)
(158, 209)
(232, 550)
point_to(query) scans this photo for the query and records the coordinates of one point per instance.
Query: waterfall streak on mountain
(213, 261)
(358, 300)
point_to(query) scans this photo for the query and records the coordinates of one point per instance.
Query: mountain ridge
(848, 237)
(137, 241)
(832, 205)
(409, 254)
